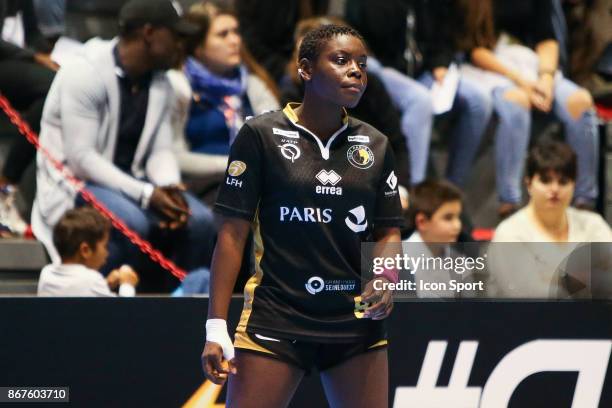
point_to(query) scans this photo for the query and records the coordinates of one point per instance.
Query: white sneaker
(9, 216)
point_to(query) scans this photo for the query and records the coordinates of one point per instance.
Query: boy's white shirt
(411, 247)
(72, 280)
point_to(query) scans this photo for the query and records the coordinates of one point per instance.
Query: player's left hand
(381, 301)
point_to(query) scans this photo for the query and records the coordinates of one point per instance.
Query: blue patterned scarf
(211, 86)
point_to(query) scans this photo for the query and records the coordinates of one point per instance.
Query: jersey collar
(293, 118)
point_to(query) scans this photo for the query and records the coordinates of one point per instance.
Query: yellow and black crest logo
(360, 156)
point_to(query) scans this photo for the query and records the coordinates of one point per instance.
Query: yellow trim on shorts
(379, 344)
(254, 281)
(243, 341)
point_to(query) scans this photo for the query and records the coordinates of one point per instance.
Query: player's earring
(301, 72)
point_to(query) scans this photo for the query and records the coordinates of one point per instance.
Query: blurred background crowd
(466, 91)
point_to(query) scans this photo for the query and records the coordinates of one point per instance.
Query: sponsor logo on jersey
(293, 134)
(230, 181)
(392, 180)
(392, 183)
(290, 152)
(328, 179)
(308, 214)
(359, 139)
(316, 284)
(358, 214)
(360, 156)
(236, 168)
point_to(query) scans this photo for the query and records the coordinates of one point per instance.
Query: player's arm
(237, 201)
(226, 262)
(217, 357)
(386, 233)
(381, 300)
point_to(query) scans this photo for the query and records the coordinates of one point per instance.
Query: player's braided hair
(313, 41)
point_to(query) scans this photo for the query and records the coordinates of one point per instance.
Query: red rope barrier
(79, 185)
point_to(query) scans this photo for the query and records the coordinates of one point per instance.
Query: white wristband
(126, 290)
(216, 331)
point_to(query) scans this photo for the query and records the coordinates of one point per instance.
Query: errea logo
(328, 179)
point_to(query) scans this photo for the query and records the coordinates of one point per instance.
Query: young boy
(435, 211)
(81, 237)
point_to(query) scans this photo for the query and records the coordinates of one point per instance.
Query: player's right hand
(216, 367)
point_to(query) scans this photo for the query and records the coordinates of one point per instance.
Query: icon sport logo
(360, 156)
(314, 285)
(236, 168)
(359, 214)
(290, 152)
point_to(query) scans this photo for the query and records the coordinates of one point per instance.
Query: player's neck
(321, 118)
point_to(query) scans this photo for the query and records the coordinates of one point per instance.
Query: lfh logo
(587, 357)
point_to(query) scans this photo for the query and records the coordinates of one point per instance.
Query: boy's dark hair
(314, 40)
(427, 197)
(552, 156)
(84, 224)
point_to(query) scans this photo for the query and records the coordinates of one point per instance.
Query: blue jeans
(512, 143)
(473, 109)
(51, 15)
(193, 244)
(413, 99)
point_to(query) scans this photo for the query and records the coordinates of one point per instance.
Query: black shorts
(306, 354)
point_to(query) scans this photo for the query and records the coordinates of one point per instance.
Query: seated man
(107, 119)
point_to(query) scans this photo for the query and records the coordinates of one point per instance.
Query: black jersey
(313, 203)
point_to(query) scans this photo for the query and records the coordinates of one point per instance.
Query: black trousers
(25, 84)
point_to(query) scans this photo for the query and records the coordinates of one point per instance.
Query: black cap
(166, 13)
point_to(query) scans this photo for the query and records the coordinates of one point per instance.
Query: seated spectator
(107, 118)
(226, 86)
(432, 42)
(374, 106)
(435, 212)
(267, 27)
(26, 73)
(515, 58)
(81, 238)
(547, 218)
